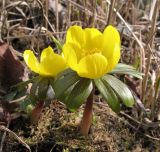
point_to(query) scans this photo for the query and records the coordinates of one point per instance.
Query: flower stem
(87, 115)
(35, 115)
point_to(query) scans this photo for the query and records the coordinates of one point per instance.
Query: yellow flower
(50, 63)
(91, 53)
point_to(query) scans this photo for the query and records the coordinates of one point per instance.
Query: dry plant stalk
(57, 17)
(111, 10)
(46, 11)
(150, 43)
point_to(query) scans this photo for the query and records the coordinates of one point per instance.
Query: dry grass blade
(3, 138)
(3, 128)
(57, 16)
(110, 21)
(47, 8)
(2, 18)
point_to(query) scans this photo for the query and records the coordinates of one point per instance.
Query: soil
(58, 130)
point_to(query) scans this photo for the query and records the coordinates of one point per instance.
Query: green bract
(73, 90)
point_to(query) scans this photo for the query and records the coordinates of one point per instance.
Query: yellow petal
(92, 66)
(111, 42)
(112, 61)
(46, 52)
(31, 60)
(75, 34)
(92, 38)
(49, 65)
(52, 65)
(70, 55)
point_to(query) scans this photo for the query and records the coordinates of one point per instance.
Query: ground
(29, 25)
(58, 130)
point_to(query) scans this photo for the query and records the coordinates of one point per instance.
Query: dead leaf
(11, 69)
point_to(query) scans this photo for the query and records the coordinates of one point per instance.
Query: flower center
(86, 52)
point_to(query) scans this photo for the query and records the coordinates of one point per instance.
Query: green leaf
(64, 73)
(126, 69)
(79, 94)
(58, 44)
(120, 89)
(43, 88)
(11, 96)
(39, 88)
(25, 83)
(33, 91)
(108, 94)
(26, 102)
(64, 96)
(64, 82)
(157, 88)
